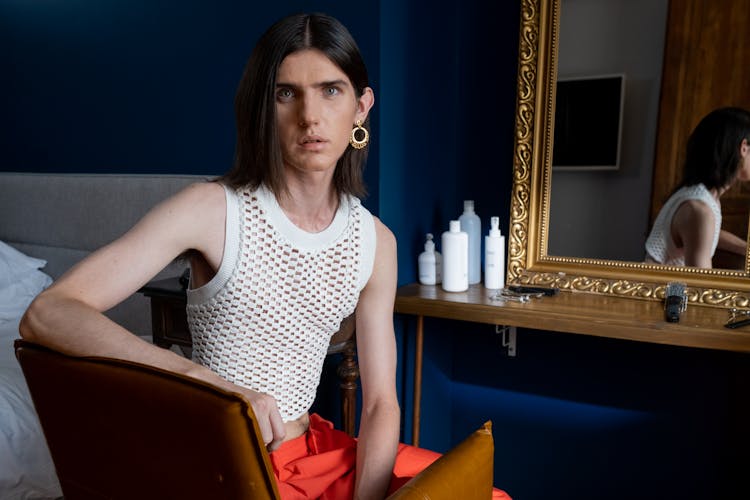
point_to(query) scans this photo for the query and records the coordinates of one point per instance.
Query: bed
(48, 222)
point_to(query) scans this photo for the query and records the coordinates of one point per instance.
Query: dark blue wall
(139, 86)
(147, 86)
(584, 417)
(447, 108)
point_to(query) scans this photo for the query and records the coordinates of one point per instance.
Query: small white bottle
(430, 263)
(494, 257)
(455, 245)
(472, 226)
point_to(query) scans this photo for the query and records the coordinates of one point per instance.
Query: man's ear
(364, 104)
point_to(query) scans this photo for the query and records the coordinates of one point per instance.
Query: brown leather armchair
(101, 421)
(122, 430)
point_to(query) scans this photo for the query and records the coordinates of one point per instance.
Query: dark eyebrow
(331, 83)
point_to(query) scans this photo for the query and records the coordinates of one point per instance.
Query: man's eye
(331, 91)
(285, 94)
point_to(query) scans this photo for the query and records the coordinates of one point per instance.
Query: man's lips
(312, 139)
(313, 143)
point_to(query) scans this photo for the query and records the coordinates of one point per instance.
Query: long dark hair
(713, 148)
(257, 159)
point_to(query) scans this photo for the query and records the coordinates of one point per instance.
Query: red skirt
(320, 464)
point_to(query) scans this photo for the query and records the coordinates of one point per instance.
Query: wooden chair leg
(348, 373)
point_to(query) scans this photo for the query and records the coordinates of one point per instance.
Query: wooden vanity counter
(570, 312)
(580, 313)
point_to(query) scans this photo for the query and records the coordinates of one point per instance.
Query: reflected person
(687, 231)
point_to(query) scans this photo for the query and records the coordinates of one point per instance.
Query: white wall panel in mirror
(599, 214)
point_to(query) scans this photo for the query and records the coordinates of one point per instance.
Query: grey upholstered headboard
(61, 218)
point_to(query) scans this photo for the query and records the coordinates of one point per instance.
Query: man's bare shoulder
(693, 227)
(383, 234)
(695, 212)
(195, 202)
(384, 270)
(196, 211)
(202, 193)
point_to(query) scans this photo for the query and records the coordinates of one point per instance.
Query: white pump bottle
(430, 263)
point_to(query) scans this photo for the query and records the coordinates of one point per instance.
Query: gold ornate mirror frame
(528, 261)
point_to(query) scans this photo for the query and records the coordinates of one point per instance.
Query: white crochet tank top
(266, 319)
(660, 246)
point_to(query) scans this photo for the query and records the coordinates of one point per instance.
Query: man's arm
(732, 243)
(68, 315)
(693, 227)
(376, 352)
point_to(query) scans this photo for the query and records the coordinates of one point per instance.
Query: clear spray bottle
(472, 226)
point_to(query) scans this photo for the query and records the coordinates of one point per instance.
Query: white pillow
(16, 297)
(15, 265)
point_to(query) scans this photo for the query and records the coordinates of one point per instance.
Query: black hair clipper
(675, 301)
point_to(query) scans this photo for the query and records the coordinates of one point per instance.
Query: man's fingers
(265, 431)
(271, 426)
(279, 431)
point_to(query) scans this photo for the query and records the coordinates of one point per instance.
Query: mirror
(529, 260)
(597, 39)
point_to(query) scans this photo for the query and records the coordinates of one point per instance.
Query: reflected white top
(659, 245)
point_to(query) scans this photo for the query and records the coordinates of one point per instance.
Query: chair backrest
(465, 472)
(118, 429)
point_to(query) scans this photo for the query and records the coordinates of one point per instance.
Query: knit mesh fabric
(269, 327)
(659, 244)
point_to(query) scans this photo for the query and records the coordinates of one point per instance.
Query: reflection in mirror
(706, 66)
(605, 214)
(691, 85)
(687, 230)
(608, 214)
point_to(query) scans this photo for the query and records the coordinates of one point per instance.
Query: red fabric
(320, 464)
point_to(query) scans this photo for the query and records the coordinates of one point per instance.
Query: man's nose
(309, 112)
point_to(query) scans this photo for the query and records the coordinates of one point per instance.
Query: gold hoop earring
(359, 143)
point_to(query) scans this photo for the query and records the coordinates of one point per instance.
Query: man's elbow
(384, 406)
(32, 321)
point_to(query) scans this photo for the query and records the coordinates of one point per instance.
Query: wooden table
(569, 312)
(168, 317)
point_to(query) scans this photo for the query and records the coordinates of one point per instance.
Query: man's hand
(265, 408)
(268, 417)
